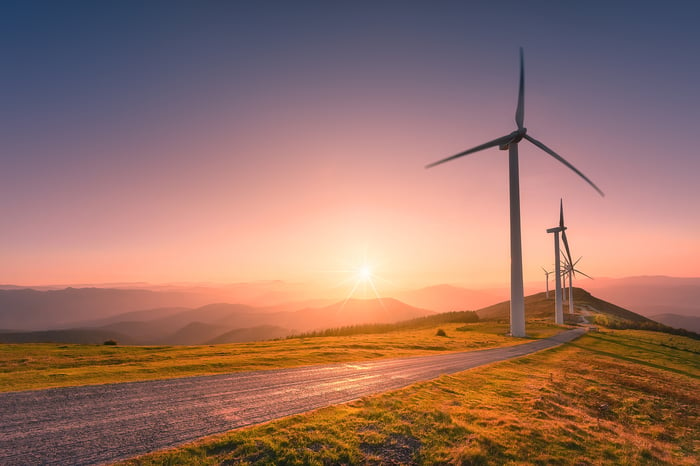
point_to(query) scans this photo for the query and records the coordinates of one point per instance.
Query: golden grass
(623, 397)
(36, 366)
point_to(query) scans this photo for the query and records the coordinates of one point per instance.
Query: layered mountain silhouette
(221, 323)
(29, 309)
(93, 315)
(691, 323)
(651, 295)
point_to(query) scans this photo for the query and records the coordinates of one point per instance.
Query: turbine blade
(587, 276)
(573, 266)
(520, 111)
(496, 142)
(566, 245)
(561, 214)
(562, 160)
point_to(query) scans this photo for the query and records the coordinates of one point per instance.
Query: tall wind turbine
(510, 142)
(546, 278)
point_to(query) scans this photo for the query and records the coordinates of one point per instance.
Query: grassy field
(35, 366)
(623, 397)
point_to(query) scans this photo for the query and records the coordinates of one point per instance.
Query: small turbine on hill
(510, 142)
(571, 270)
(546, 280)
(558, 303)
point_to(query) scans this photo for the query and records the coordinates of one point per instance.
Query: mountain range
(185, 315)
(219, 323)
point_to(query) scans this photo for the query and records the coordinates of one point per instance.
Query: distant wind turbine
(510, 143)
(558, 303)
(546, 275)
(571, 270)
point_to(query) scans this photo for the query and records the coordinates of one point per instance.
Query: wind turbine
(571, 270)
(546, 275)
(510, 142)
(558, 303)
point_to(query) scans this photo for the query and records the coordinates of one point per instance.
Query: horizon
(223, 144)
(271, 293)
(272, 280)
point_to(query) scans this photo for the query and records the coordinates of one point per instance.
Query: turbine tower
(510, 142)
(546, 278)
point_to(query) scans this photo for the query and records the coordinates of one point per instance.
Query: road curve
(100, 424)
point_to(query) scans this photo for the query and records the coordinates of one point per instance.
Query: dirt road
(104, 423)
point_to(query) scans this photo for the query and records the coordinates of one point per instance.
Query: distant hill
(223, 322)
(242, 335)
(28, 309)
(84, 336)
(446, 298)
(538, 306)
(193, 333)
(138, 316)
(651, 295)
(353, 312)
(691, 323)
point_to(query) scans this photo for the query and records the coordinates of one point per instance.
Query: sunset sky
(263, 140)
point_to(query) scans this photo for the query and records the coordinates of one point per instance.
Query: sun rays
(361, 280)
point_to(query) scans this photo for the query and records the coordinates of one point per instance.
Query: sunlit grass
(628, 397)
(32, 366)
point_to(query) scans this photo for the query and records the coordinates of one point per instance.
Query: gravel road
(100, 424)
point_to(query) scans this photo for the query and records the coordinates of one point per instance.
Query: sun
(364, 274)
(361, 280)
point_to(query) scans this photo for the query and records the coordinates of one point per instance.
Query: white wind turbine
(510, 142)
(571, 270)
(546, 275)
(558, 303)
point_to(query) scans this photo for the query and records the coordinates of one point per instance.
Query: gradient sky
(233, 141)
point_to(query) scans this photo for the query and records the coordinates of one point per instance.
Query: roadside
(103, 423)
(628, 397)
(39, 366)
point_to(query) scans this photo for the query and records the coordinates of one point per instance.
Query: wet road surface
(100, 424)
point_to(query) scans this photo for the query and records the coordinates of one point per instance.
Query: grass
(37, 366)
(623, 397)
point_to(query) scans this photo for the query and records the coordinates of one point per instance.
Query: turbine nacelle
(556, 229)
(515, 137)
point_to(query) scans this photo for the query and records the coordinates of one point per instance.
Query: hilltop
(538, 306)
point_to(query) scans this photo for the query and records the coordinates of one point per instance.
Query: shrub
(110, 342)
(440, 333)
